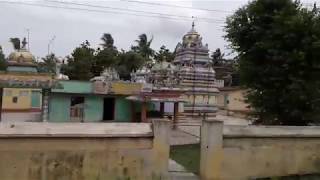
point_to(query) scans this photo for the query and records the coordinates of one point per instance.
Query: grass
(187, 155)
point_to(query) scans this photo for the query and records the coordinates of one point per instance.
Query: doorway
(108, 109)
(77, 109)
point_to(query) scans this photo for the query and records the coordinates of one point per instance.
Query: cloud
(72, 27)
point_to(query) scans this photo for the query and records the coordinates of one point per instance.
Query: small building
(97, 101)
(232, 101)
(21, 100)
(22, 87)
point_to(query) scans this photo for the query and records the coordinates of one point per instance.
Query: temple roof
(163, 66)
(191, 49)
(21, 57)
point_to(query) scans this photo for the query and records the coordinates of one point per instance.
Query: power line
(105, 11)
(132, 10)
(177, 6)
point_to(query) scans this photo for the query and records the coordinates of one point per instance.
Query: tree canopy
(105, 57)
(48, 64)
(128, 62)
(108, 42)
(143, 47)
(80, 63)
(86, 62)
(164, 54)
(278, 46)
(3, 64)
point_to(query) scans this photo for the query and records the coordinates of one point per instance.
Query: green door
(35, 99)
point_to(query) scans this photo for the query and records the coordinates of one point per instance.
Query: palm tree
(107, 41)
(16, 43)
(143, 47)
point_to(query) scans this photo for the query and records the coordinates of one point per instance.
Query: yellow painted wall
(235, 100)
(140, 157)
(23, 98)
(269, 157)
(252, 152)
(125, 88)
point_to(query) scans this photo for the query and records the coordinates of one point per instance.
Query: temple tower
(196, 75)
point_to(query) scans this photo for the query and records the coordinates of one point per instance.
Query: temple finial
(192, 22)
(193, 19)
(24, 43)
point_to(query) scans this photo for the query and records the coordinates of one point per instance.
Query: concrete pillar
(144, 112)
(45, 105)
(211, 153)
(162, 109)
(175, 114)
(161, 148)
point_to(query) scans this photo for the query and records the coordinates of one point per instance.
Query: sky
(65, 26)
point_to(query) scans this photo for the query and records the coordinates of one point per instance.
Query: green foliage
(86, 62)
(278, 46)
(164, 54)
(3, 64)
(144, 47)
(105, 57)
(48, 64)
(128, 62)
(107, 41)
(80, 63)
(187, 155)
(16, 43)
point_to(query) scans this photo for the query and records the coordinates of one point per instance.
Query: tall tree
(105, 57)
(164, 54)
(278, 44)
(48, 64)
(16, 43)
(128, 62)
(108, 42)
(3, 64)
(79, 64)
(144, 47)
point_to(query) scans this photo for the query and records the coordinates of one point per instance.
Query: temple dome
(192, 38)
(22, 57)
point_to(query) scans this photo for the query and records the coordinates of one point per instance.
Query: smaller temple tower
(24, 88)
(22, 60)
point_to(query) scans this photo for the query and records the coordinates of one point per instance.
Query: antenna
(50, 42)
(28, 36)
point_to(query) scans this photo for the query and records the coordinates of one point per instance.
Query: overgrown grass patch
(187, 155)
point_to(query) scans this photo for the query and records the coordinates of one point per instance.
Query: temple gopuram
(196, 75)
(191, 72)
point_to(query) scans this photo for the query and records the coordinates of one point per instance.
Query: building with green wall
(78, 102)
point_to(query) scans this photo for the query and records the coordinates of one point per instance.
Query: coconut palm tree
(107, 41)
(143, 47)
